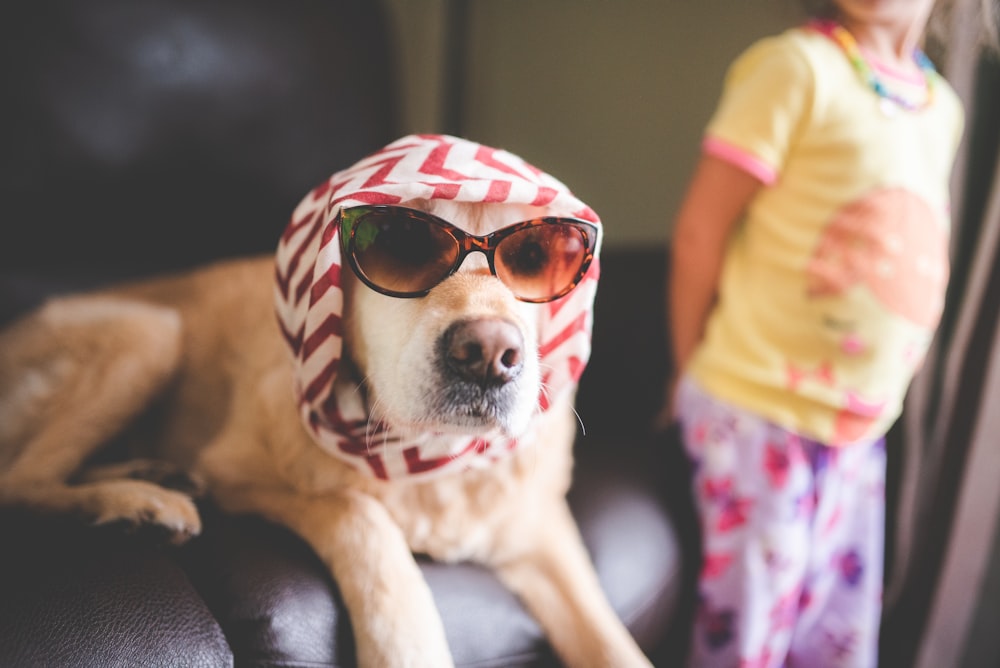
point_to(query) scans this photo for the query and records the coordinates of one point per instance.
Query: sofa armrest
(75, 595)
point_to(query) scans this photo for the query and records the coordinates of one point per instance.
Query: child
(808, 275)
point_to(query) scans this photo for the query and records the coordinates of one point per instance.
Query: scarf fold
(309, 301)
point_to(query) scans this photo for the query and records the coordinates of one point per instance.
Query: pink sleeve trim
(746, 161)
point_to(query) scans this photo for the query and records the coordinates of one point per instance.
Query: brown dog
(425, 407)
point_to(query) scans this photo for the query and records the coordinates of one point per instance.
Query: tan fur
(76, 372)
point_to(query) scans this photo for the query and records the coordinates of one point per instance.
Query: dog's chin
(464, 423)
(479, 423)
(470, 418)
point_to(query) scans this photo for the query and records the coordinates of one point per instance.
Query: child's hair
(937, 27)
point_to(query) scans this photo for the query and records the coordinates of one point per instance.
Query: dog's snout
(486, 351)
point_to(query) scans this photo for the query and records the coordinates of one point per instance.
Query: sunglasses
(403, 252)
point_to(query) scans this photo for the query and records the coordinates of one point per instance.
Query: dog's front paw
(137, 503)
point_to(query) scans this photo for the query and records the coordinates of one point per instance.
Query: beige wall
(610, 96)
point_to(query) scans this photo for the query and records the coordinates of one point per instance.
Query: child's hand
(666, 417)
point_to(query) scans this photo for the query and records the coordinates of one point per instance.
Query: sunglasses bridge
(470, 243)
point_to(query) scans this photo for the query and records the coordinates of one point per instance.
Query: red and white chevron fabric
(309, 301)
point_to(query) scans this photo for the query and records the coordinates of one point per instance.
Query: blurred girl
(808, 276)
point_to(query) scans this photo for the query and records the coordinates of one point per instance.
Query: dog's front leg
(395, 621)
(554, 577)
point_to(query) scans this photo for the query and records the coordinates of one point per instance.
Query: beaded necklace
(849, 45)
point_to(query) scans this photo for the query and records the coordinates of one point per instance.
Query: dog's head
(450, 283)
(465, 356)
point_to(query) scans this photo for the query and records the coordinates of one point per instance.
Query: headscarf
(309, 300)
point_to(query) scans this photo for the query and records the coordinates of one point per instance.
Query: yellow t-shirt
(834, 283)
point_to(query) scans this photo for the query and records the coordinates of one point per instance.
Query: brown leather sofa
(147, 135)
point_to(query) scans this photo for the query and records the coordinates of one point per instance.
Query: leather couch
(148, 135)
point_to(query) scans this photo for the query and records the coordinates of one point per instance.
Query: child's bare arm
(716, 198)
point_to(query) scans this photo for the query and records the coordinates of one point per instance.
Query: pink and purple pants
(792, 541)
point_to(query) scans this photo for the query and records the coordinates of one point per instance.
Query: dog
(433, 309)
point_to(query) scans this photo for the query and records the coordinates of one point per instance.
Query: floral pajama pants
(792, 540)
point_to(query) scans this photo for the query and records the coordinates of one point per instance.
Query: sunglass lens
(541, 262)
(401, 252)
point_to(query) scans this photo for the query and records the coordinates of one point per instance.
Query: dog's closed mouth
(480, 409)
(484, 406)
(471, 405)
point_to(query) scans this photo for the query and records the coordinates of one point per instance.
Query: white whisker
(583, 427)
(548, 395)
(542, 366)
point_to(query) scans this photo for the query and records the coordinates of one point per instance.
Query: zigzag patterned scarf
(309, 301)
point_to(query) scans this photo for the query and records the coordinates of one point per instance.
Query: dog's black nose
(486, 351)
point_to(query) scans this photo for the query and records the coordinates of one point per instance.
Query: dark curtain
(942, 603)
